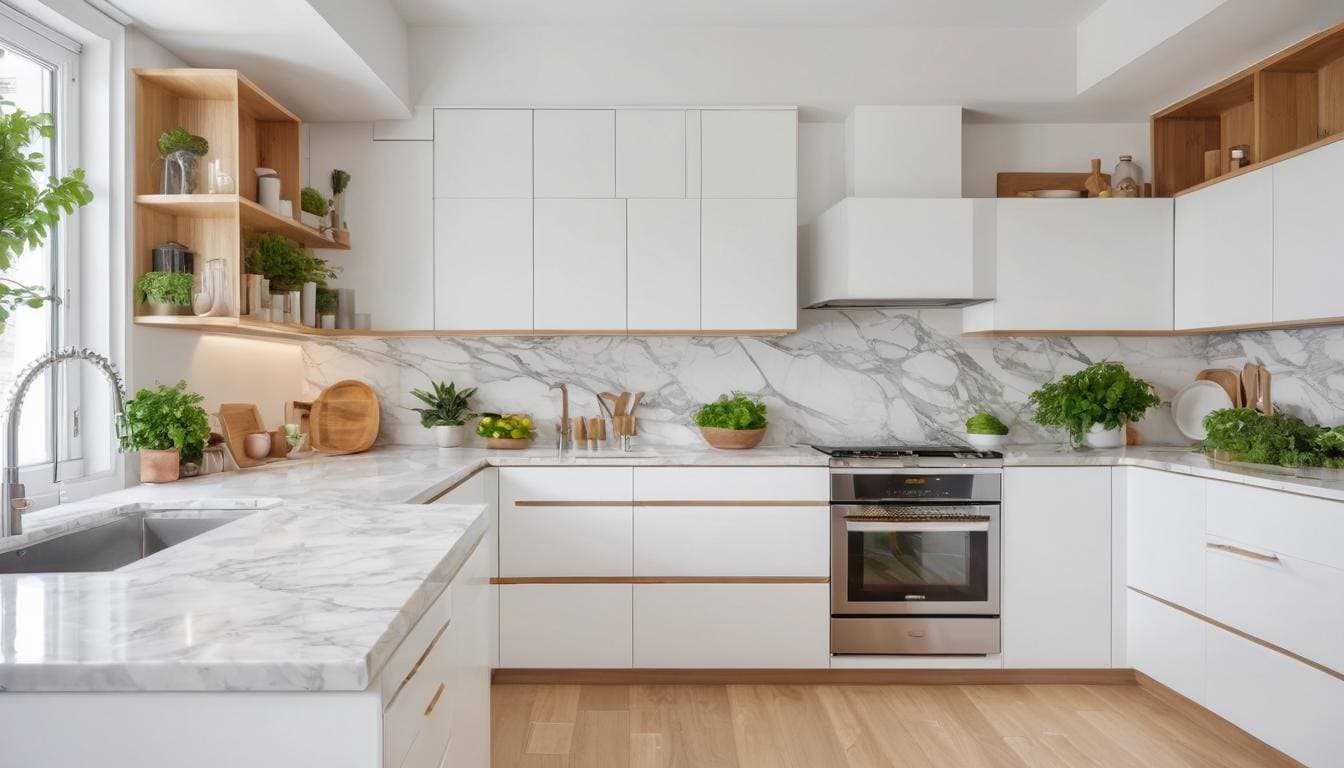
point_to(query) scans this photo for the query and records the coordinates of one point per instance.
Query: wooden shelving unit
(246, 128)
(1288, 104)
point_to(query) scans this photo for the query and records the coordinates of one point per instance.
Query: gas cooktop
(905, 451)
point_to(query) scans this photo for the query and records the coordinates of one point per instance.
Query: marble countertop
(330, 562)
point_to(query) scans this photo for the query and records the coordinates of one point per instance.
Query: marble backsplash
(852, 376)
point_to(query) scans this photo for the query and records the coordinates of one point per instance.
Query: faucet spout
(564, 407)
(12, 499)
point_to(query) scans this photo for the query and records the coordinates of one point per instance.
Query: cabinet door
(749, 152)
(732, 541)
(1057, 567)
(565, 625)
(575, 152)
(580, 265)
(1166, 645)
(663, 256)
(650, 153)
(732, 625)
(482, 153)
(748, 265)
(480, 243)
(1165, 537)
(1308, 281)
(1224, 253)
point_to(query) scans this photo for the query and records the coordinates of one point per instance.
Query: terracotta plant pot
(732, 439)
(159, 466)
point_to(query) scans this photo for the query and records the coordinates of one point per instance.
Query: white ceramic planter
(986, 442)
(449, 437)
(1100, 437)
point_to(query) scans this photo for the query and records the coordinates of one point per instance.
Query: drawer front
(1166, 645)
(417, 643)
(431, 742)
(419, 710)
(731, 541)
(1284, 703)
(1165, 536)
(565, 625)
(565, 541)
(543, 484)
(1284, 523)
(732, 625)
(1295, 604)
(763, 484)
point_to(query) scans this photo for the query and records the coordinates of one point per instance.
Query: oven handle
(873, 526)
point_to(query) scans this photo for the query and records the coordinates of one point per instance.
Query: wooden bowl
(508, 443)
(732, 439)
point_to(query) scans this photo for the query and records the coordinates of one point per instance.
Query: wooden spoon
(1250, 385)
(634, 404)
(622, 403)
(1266, 403)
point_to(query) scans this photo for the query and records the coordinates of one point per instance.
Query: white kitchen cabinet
(579, 257)
(575, 152)
(551, 484)
(663, 262)
(1308, 280)
(732, 541)
(1165, 536)
(749, 152)
(750, 626)
(1056, 567)
(483, 488)
(481, 248)
(748, 265)
(1166, 645)
(565, 625)
(473, 606)
(693, 152)
(759, 484)
(1047, 249)
(574, 540)
(1224, 252)
(650, 153)
(483, 153)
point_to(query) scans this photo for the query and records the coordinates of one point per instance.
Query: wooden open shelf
(1288, 104)
(246, 326)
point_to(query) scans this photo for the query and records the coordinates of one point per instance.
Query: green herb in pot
(738, 411)
(179, 139)
(164, 288)
(313, 202)
(448, 406)
(287, 265)
(1245, 434)
(1104, 394)
(164, 418)
(985, 423)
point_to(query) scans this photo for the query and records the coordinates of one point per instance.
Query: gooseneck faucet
(12, 499)
(564, 414)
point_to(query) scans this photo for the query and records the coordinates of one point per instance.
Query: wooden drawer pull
(434, 701)
(1243, 552)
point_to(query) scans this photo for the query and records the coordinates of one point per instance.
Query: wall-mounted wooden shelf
(246, 326)
(1288, 104)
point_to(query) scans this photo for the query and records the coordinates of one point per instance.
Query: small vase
(159, 466)
(1101, 437)
(179, 173)
(328, 322)
(448, 436)
(294, 309)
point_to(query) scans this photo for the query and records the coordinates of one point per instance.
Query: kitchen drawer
(565, 625)
(1295, 604)
(1165, 535)
(1284, 703)
(763, 484)
(731, 541)
(431, 742)
(414, 648)
(419, 710)
(565, 541)
(732, 625)
(550, 484)
(1284, 523)
(1166, 645)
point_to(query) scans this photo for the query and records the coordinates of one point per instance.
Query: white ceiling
(711, 13)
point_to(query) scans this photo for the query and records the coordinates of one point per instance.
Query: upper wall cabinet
(749, 243)
(651, 156)
(483, 153)
(575, 152)
(749, 152)
(579, 253)
(482, 252)
(1224, 253)
(663, 264)
(1308, 279)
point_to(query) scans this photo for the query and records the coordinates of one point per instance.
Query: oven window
(923, 566)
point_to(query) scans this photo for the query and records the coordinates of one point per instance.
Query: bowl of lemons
(509, 431)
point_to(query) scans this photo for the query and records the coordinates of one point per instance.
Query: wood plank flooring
(858, 726)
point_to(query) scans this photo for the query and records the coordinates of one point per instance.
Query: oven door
(892, 559)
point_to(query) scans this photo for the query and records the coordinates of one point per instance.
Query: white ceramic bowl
(987, 442)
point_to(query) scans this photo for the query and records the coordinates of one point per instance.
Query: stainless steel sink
(117, 542)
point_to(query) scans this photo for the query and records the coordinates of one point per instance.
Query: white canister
(345, 308)
(293, 308)
(328, 322)
(268, 189)
(279, 312)
(1101, 437)
(309, 302)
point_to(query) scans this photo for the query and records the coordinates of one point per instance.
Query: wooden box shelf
(1287, 104)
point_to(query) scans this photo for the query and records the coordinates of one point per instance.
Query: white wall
(1120, 31)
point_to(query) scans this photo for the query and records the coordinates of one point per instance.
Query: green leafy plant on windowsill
(164, 288)
(287, 265)
(1104, 394)
(735, 411)
(447, 406)
(163, 418)
(313, 202)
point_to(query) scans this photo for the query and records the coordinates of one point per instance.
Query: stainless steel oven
(915, 555)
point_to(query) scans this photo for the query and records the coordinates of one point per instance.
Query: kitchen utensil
(1265, 401)
(578, 430)
(1095, 183)
(236, 422)
(1195, 401)
(279, 446)
(594, 428)
(296, 412)
(344, 418)
(602, 405)
(634, 404)
(1250, 385)
(1225, 378)
(622, 403)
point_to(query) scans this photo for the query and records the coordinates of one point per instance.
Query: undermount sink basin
(115, 543)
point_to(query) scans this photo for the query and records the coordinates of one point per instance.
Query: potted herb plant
(326, 308)
(340, 180)
(181, 152)
(165, 293)
(985, 432)
(446, 412)
(168, 426)
(1094, 404)
(733, 421)
(286, 265)
(314, 205)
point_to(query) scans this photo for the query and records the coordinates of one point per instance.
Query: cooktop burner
(899, 451)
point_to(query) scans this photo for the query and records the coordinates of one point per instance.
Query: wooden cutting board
(236, 422)
(344, 418)
(1228, 380)
(1014, 183)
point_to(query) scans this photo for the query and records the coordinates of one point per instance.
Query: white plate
(1055, 193)
(1195, 401)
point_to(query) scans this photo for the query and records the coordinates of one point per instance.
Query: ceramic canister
(257, 445)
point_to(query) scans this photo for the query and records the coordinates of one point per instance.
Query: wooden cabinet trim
(660, 580)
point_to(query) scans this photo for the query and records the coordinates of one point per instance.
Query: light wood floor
(819, 726)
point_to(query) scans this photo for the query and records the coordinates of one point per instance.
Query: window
(38, 73)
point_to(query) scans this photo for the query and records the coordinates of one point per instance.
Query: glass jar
(180, 171)
(1127, 179)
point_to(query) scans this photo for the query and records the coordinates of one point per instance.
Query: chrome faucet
(563, 432)
(12, 500)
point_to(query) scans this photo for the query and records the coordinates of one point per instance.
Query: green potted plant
(167, 426)
(326, 308)
(165, 293)
(181, 152)
(286, 265)
(733, 421)
(505, 430)
(340, 181)
(985, 431)
(1094, 404)
(314, 205)
(446, 411)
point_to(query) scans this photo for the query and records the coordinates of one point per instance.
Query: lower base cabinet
(1166, 645)
(742, 626)
(581, 626)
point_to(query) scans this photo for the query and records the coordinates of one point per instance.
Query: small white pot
(1100, 437)
(449, 437)
(986, 442)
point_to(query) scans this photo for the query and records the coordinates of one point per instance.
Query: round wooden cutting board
(344, 418)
